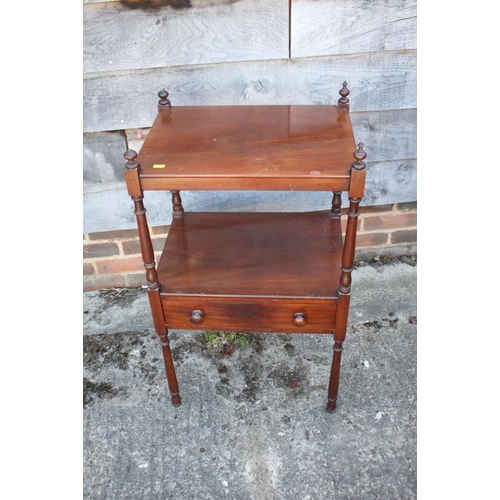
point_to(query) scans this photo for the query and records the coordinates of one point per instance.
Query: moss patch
(216, 338)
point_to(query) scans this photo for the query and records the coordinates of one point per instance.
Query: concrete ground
(253, 424)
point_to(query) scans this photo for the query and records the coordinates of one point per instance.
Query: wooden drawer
(250, 314)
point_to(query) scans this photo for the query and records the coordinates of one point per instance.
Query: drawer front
(250, 314)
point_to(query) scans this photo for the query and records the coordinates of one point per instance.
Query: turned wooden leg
(344, 295)
(170, 369)
(339, 337)
(148, 257)
(162, 331)
(333, 388)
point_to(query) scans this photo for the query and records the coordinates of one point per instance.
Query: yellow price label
(159, 165)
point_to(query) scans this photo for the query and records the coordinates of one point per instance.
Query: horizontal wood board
(326, 27)
(251, 315)
(117, 37)
(253, 254)
(249, 142)
(378, 81)
(103, 158)
(387, 135)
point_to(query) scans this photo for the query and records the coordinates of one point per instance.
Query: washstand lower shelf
(258, 272)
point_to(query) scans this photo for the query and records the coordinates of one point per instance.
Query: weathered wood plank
(103, 157)
(108, 207)
(116, 37)
(325, 27)
(390, 182)
(378, 81)
(387, 135)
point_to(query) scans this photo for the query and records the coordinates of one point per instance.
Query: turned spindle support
(343, 102)
(336, 202)
(178, 210)
(148, 257)
(344, 291)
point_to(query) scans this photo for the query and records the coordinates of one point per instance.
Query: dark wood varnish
(148, 256)
(249, 314)
(249, 147)
(299, 319)
(254, 272)
(253, 254)
(357, 169)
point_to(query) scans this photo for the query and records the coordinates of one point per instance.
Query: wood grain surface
(387, 135)
(249, 142)
(326, 27)
(103, 158)
(252, 254)
(127, 99)
(116, 37)
(250, 314)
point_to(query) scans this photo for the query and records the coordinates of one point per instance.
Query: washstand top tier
(288, 147)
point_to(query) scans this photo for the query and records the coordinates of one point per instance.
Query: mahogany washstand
(254, 272)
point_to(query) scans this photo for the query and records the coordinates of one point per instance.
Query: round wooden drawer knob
(197, 317)
(299, 319)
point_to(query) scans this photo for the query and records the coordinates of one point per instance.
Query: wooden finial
(343, 102)
(130, 155)
(359, 156)
(164, 102)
